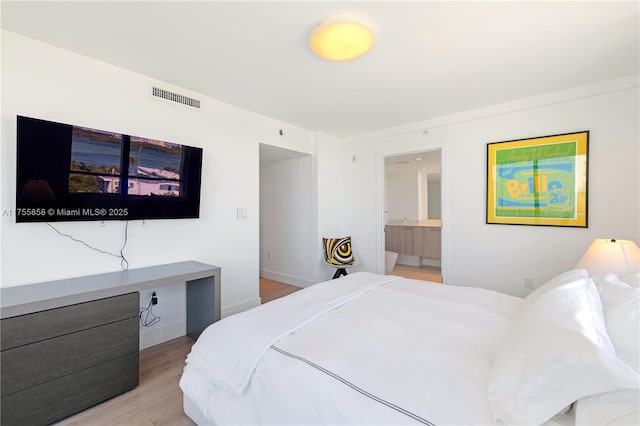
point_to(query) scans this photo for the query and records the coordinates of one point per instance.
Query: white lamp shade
(621, 257)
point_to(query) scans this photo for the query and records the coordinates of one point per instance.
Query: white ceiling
(430, 58)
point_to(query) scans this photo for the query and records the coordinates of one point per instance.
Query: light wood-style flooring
(156, 401)
(424, 273)
(270, 290)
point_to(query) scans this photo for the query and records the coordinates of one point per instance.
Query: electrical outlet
(241, 213)
(152, 297)
(269, 255)
(528, 283)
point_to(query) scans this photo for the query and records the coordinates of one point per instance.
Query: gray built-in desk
(70, 344)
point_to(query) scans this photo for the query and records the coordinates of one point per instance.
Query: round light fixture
(341, 40)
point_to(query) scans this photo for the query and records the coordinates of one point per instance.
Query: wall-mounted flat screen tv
(71, 173)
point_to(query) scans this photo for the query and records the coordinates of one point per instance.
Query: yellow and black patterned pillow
(337, 251)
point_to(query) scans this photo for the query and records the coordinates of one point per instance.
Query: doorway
(412, 215)
(287, 236)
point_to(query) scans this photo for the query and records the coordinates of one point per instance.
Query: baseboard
(408, 260)
(151, 336)
(287, 279)
(432, 262)
(240, 307)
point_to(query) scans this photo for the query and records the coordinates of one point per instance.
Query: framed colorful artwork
(538, 181)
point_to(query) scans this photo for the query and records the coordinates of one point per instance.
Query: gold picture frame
(539, 181)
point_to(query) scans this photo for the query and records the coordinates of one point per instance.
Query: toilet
(390, 259)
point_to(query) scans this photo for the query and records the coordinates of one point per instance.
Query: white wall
(499, 256)
(288, 209)
(46, 82)
(333, 208)
(322, 188)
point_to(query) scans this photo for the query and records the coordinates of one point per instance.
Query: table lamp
(621, 257)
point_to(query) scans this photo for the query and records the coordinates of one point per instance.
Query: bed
(384, 350)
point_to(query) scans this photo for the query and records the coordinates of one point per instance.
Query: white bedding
(364, 356)
(374, 349)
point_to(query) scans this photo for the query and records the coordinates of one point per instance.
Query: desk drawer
(30, 365)
(25, 329)
(67, 395)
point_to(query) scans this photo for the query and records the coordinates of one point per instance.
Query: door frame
(380, 216)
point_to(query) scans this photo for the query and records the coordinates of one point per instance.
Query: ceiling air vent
(170, 96)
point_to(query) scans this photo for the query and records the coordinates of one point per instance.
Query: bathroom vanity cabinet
(413, 240)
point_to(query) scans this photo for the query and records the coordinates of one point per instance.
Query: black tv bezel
(37, 160)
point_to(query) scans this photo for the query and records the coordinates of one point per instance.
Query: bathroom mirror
(433, 196)
(412, 187)
(429, 195)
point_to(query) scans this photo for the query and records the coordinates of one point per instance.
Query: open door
(412, 215)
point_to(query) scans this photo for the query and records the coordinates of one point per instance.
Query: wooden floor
(270, 290)
(157, 400)
(423, 273)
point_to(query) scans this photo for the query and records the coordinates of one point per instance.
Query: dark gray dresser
(60, 361)
(69, 344)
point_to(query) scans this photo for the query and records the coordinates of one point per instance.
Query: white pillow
(564, 278)
(556, 352)
(632, 279)
(613, 292)
(611, 282)
(620, 407)
(621, 306)
(624, 326)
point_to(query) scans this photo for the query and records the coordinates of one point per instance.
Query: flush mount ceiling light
(341, 40)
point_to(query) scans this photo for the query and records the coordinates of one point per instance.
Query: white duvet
(364, 349)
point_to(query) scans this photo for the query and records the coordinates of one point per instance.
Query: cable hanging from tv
(124, 263)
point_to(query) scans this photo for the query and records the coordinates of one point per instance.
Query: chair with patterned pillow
(339, 254)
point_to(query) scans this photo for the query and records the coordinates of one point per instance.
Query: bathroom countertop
(431, 223)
